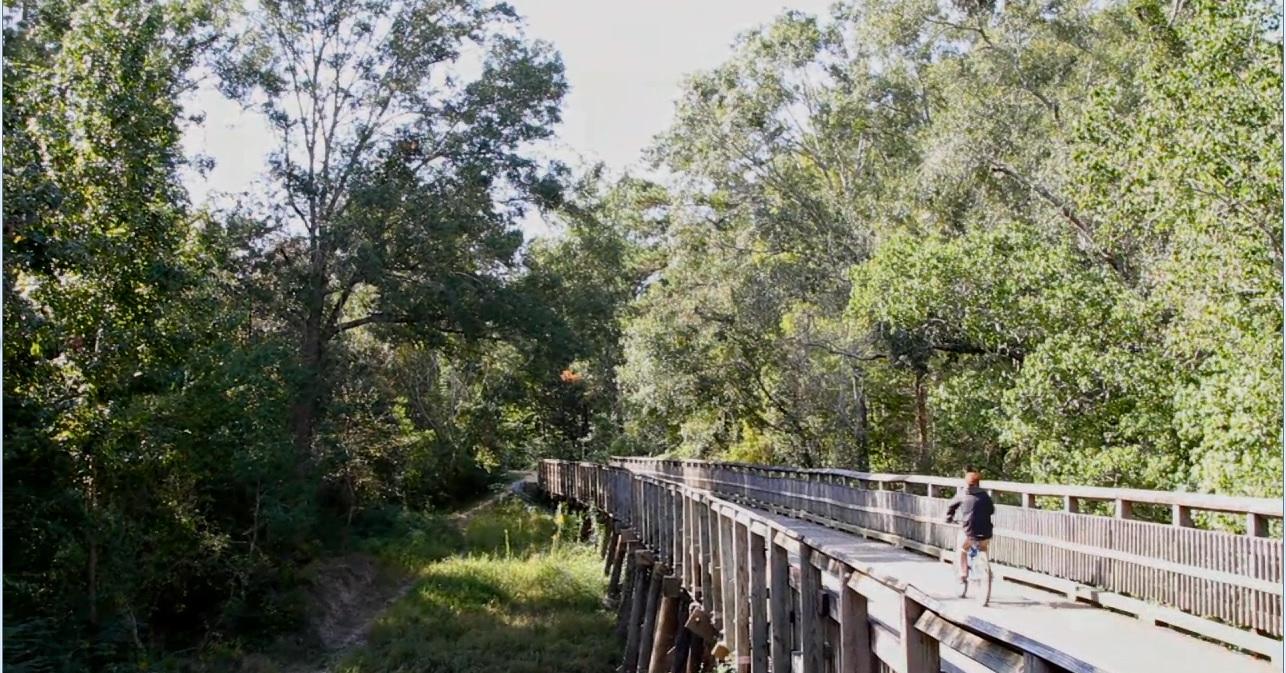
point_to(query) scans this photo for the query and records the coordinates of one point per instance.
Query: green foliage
(1042, 239)
(1039, 239)
(512, 599)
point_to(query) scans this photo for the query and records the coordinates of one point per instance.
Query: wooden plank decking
(796, 574)
(1029, 619)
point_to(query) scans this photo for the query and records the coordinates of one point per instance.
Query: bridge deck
(1035, 620)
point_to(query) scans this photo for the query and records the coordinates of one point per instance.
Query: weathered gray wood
(612, 539)
(810, 585)
(1256, 525)
(992, 656)
(627, 589)
(712, 557)
(682, 644)
(1071, 505)
(1124, 509)
(919, 650)
(647, 631)
(1034, 664)
(617, 563)
(1119, 555)
(779, 602)
(728, 573)
(1203, 501)
(633, 627)
(1200, 570)
(741, 549)
(855, 653)
(667, 624)
(758, 565)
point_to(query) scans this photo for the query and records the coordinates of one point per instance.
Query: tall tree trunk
(921, 422)
(306, 406)
(863, 429)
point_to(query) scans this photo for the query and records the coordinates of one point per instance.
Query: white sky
(625, 62)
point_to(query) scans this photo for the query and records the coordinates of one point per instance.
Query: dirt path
(351, 628)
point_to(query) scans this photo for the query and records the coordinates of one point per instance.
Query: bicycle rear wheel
(984, 570)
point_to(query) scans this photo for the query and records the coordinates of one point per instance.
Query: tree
(397, 181)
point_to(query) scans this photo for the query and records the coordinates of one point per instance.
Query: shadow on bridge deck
(1028, 618)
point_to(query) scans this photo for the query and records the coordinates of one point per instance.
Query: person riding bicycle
(976, 508)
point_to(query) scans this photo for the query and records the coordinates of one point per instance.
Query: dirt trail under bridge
(355, 591)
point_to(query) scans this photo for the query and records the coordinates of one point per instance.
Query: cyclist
(976, 508)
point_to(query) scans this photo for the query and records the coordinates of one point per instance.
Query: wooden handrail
(1265, 507)
(724, 531)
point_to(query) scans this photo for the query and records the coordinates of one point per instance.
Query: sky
(625, 62)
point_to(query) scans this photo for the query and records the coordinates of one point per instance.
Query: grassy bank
(507, 591)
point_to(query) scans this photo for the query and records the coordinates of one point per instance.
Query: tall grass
(519, 595)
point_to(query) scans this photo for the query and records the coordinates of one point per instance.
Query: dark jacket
(976, 509)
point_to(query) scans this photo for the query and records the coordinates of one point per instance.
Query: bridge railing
(780, 600)
(1216, 584)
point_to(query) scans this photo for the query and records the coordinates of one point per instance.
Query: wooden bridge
(779, 569)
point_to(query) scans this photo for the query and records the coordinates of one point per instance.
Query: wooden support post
(667, 623)
(1181, 516)
(698, 631)
(605, 530)
(612, 539)
(691, 578)
(709, 587)
(855, 653)
(810, 631)
(617, 564)
(697, 655)
(1029, 500)
(627, 591)
(740, 551)
(1071, 504)
(919, 650)
(638, 601)
(728, 573)
(647, 632)
(682, 646)
(586, 527)
(759, 644)
(779, 602)
(712, 556)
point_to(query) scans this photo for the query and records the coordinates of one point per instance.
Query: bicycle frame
(978, 566)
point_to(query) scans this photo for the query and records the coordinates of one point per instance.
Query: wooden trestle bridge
(778, 569)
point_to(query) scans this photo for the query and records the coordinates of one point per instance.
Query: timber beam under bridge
(817, 571)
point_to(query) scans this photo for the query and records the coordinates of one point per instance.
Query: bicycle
(978, 570)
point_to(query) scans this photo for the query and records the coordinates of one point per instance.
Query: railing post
(1256, 525)
(1124, 509)
(919, 650)
(1071, 504)
(1181, 516)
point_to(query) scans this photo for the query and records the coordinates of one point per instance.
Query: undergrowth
(518, 594)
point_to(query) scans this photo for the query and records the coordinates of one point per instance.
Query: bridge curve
(828, 550)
